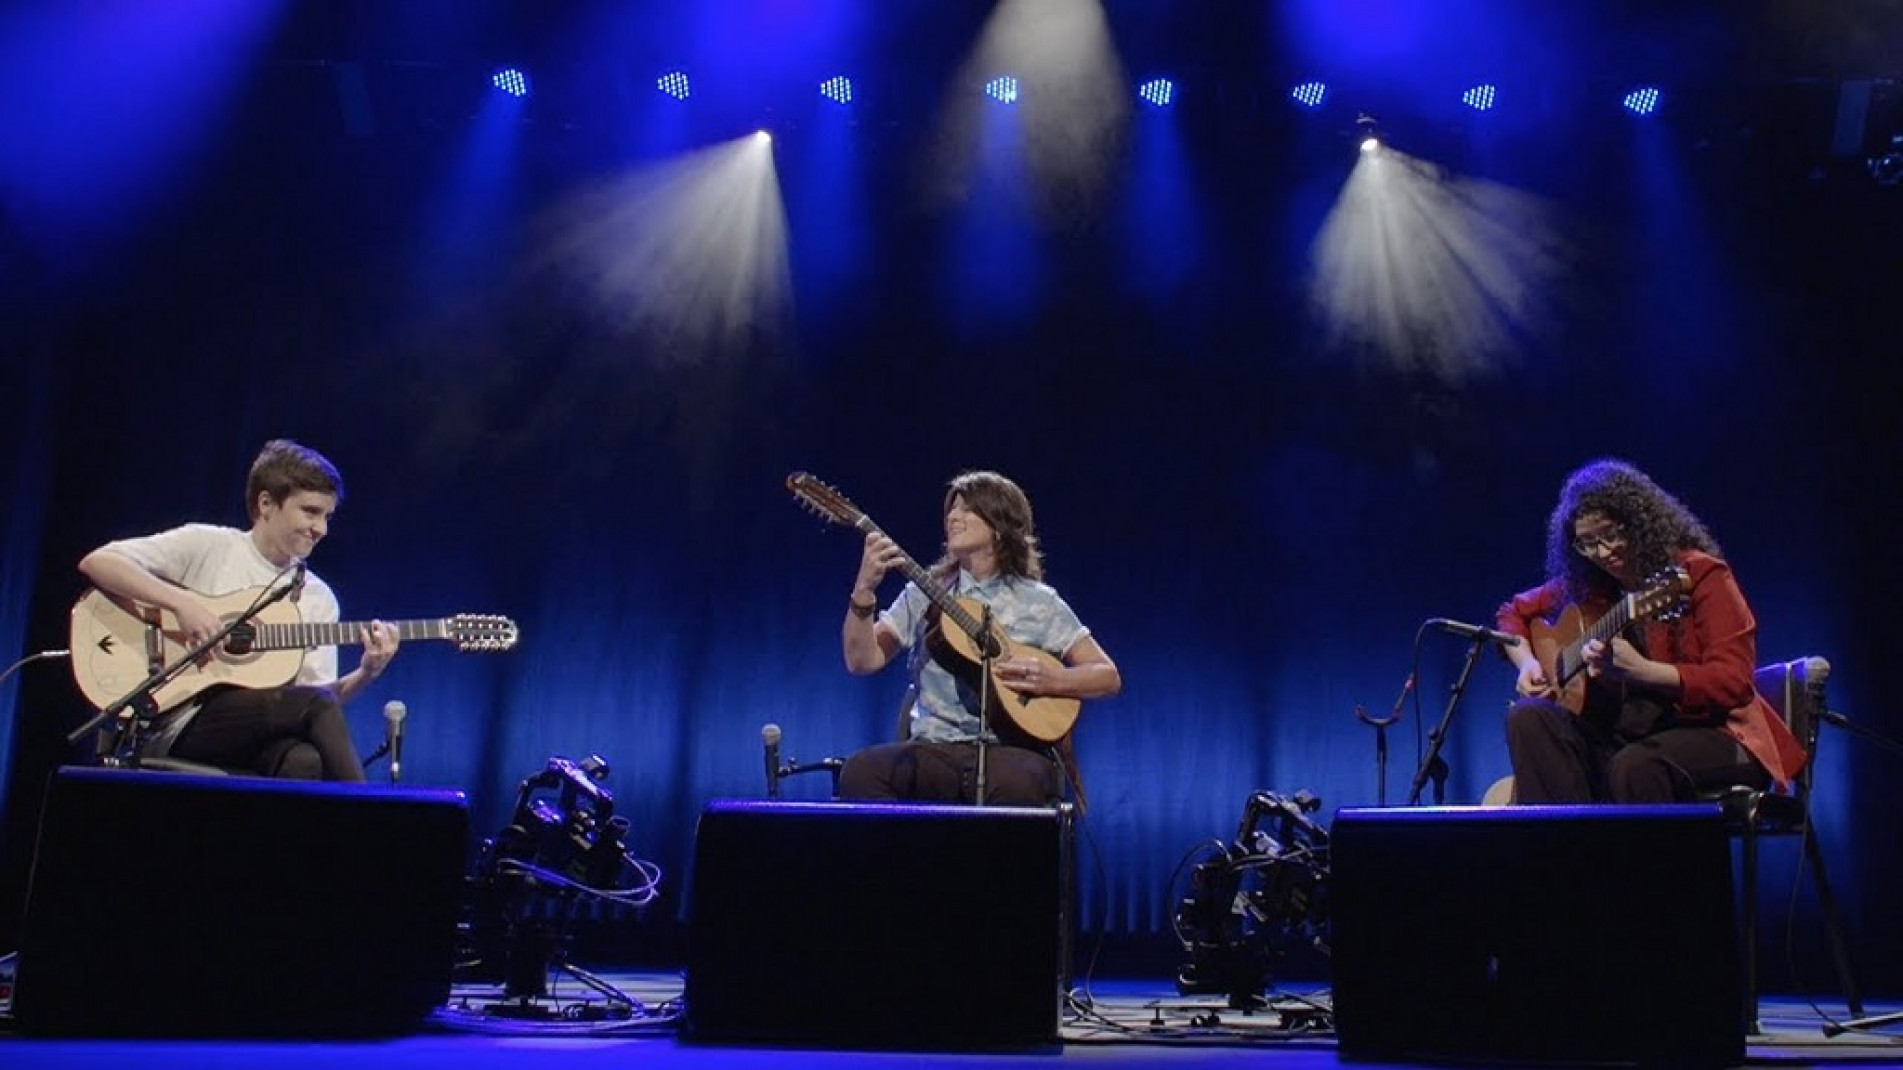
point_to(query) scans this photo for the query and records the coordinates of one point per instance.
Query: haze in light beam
(1075, 102)
(1423, 271)
(690, 254)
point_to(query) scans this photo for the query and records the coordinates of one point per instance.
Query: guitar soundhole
(238, 647)
(239, 644)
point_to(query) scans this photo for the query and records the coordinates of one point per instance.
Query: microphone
(1816, 672)
(1474, 631)
(297, 592)
(770, 735)
(393, 714)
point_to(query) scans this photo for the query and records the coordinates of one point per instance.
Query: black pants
(1562, 758)
(297, 733)
(919, 771)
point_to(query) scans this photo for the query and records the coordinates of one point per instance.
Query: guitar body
(1015, 716)
(117, 644)
(1556, 646)
(1560, 646)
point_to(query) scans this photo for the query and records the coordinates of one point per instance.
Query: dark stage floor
(1135, 1023)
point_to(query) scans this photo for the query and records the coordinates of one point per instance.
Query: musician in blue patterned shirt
(988, 643)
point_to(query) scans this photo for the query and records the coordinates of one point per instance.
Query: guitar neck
(1614, 622)
(1599, 631)
(305, 634)
(947, 605)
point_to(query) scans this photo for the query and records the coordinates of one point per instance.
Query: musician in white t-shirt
(294, 731)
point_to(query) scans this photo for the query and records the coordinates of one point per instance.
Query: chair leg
(1749, 841)
(1833, 924)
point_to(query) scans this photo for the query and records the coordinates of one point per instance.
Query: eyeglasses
(1587, 545)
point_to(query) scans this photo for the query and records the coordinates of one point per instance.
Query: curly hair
(1657, 526)
(284, 467)
(1003, 505)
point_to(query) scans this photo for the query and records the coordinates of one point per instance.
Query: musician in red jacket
(1661, 704)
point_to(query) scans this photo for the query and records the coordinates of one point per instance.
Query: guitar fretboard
(307, 634)
(934, 590)
(1572, 659)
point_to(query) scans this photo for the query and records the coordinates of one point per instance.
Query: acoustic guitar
(1560, 646)
(960, 647)
(118, 643)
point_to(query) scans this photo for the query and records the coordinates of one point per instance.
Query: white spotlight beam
(691, 252)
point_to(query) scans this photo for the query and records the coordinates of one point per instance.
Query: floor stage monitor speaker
(169, 904)
(877, 926)
(1536, 934)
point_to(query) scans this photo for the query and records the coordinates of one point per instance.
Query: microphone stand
(141, 694)
(1432, 765)
(827, 765)
(1832, 717)
(987, 653)
(1380, 726)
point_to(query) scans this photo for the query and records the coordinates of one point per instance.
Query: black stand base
(526, 1007)
(1876, 1021)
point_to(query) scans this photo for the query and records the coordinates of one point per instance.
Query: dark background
(307, 220)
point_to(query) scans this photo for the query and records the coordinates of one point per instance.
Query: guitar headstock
(823, 501)
(1664, 594)
(472, 632)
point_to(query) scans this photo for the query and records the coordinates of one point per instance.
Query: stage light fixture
(1158, 91)
(1644, 100)
(1309, 94)
(1480, 97)
(1369, 133)
(1003, 89)
(511, 81)
(837, 89)
(674, 84)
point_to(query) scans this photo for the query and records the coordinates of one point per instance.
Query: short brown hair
(283, 468)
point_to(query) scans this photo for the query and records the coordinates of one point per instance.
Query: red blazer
(1714, 645)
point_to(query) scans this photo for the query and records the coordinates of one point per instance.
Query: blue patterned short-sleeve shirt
(1030, 612)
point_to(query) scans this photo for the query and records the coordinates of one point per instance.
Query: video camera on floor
(577, 836)
(1255, 899)
(563, 845)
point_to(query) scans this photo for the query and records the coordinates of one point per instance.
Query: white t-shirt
(213, 560)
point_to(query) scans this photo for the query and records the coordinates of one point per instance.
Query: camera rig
(564, 846)
(1254, 899)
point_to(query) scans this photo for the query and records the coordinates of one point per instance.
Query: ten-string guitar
(118, 643)
(960, 650)
(1559, 646)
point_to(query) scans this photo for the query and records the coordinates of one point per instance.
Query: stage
(1292, 319)
(1132, 1023)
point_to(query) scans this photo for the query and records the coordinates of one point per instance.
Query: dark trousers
(919, 771)
(297, 733)
(1562, 758)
